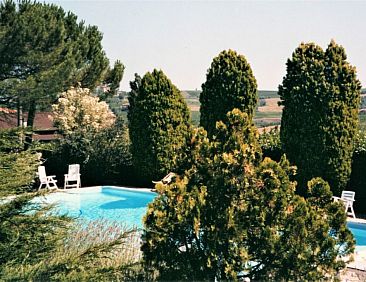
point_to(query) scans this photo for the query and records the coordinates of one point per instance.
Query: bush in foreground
(231, 214)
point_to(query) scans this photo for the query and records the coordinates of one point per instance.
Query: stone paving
(353, 275)
(356, 270)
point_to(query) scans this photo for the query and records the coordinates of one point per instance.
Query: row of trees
(229, 211)
(320, 94)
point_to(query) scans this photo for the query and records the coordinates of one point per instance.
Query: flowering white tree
(76, 109)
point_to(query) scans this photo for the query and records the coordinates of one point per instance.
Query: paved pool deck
(359, 256)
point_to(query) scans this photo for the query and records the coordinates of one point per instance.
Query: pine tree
(230, 84)
(44, 51)
(158, 122)
(232, 213)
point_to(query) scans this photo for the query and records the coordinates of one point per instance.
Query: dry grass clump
(97, 251)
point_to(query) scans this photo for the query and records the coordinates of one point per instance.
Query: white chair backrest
(168, 177)
(348, 195)
(74, 171)
(42, 173)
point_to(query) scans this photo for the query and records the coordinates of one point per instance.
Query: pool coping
(92, 188)
(359, 255)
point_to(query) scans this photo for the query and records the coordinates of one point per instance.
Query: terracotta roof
(7, 119)
(6, 110)
(42, 120)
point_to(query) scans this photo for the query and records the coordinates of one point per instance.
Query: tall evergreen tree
(230, 84)
(43, 51)
(321, 95)
(158, 122)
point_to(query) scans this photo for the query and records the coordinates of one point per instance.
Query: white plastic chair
(72, 178)
(167, 178)
(48, 181)
(347, 197)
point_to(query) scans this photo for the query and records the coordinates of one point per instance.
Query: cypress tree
(230, 84)
(342, 120)
(320, 95)
(158, 122)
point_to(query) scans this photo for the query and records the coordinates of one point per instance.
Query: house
(43, 127)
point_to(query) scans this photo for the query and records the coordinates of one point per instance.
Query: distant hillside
(263, 94)
(191, 94)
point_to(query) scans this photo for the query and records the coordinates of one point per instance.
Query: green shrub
(18, 172)
(11, 140)
(270, 143)
(231, 213)
(104, 156)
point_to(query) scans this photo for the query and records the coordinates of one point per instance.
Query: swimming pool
(127, 206)
(359, 232)
(122, 205)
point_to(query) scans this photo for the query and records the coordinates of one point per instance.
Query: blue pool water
(359, 232)
(126, 206)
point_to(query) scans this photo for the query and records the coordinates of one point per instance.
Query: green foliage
(357, 181)
(43, 50)
(230, 84)
(26, 235)
(104, 156)
(158, 122)
(18, 171)
(231, 214)
(36, 246)
(97, 252)
(114, 77)
(321, 95)
(11, 140)
(271, 144)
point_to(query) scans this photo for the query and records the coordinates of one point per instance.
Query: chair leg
(350, 207)
(352, 212)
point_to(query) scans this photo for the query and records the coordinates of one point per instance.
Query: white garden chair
(347, 197)
(48, 181)
(72, 178)
(167, 178)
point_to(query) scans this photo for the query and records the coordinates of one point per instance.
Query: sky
(182, 37)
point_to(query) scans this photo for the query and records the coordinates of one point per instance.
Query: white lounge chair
(167, 178)
(48, 181)
(72, 178)
(347, 197)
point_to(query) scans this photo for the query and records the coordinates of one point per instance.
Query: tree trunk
(30, 121)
